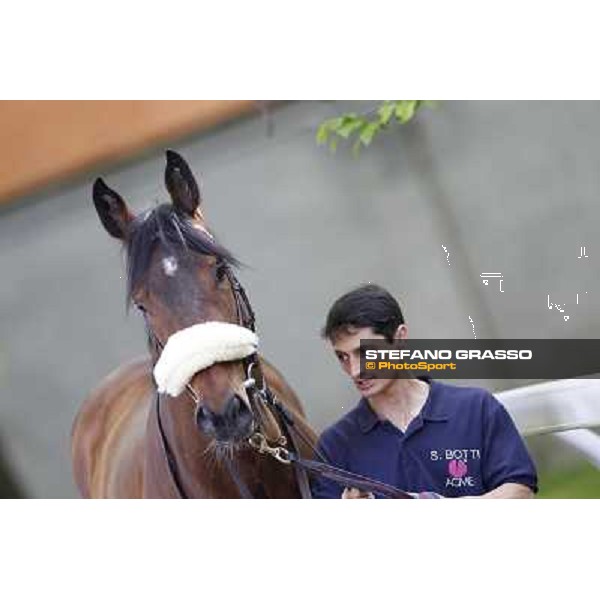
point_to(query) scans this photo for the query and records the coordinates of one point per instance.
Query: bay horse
(208, 428)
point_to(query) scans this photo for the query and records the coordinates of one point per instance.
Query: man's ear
(181, 184)
(401, 332)
(112, 210)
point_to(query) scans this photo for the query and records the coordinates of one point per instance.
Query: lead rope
(322, 467)
(286, 420)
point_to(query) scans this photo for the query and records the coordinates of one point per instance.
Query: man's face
(346, 346)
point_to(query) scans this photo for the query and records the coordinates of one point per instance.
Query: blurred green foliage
(582, 481)
(362, 128)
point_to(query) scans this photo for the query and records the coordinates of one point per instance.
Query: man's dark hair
(366, 306)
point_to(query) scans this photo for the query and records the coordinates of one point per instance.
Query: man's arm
(508, 471)
(510, 491)
(506, 491)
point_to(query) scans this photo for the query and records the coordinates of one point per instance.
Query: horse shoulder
(107, 440)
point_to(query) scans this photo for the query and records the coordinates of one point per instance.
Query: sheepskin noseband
(199, 347)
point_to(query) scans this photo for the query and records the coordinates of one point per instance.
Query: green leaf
(389, 112)
(335, 124)
(322, 134)
(350, 117)
(368, 132)
(385, 112)
(349, 127)
(399, 110)
(405, 110)
(411, 107)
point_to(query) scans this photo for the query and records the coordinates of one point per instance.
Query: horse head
(198, 320)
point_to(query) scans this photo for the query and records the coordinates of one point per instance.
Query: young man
(416, 434)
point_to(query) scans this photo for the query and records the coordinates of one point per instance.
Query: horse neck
(201, 470)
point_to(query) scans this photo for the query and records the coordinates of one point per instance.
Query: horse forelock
(177, 234)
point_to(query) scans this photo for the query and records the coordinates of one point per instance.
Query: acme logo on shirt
(458, 469)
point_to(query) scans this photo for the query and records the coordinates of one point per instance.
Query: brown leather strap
(349, 479)
(302, 479)
(237, 478)
(171, 462)
(323, 468)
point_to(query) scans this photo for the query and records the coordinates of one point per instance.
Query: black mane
(166, 226)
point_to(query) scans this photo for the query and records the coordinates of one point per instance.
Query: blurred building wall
(504, 186)
(44, 142)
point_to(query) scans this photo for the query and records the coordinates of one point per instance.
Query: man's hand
(356, 494)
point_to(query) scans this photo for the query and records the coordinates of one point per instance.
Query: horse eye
(220, 271)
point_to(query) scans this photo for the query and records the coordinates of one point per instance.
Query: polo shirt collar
(367, 418)
(433, 409)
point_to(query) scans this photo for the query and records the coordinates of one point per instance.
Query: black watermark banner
(480, 359)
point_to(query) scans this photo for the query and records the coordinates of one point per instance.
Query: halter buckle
(249, 383)
(259, 442)
(282, 455)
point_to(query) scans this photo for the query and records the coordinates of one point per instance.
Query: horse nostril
(233, 407)
(204, 420)
(235, 422)
(238, 415)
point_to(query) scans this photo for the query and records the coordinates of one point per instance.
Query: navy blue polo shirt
(462, 443)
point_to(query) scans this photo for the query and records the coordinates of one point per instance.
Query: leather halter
(259, 395)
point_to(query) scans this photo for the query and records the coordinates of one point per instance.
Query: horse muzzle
(233, 424)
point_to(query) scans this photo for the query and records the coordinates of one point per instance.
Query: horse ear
(112, 210)
(181, 184)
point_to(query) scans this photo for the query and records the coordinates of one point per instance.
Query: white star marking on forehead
(169, 266)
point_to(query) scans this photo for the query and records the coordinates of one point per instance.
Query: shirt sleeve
(505, 455)
(322, 487)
